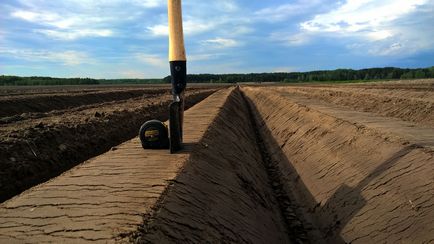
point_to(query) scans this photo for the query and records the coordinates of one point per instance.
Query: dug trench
(271, 171)
(39, 150)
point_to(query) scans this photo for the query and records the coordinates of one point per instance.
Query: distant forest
(339, 75)
(6, 80)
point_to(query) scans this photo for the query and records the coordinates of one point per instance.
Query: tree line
(338, 75)
(315, 76)
(6, 80)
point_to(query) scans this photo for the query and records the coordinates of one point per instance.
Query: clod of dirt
(40, 125)
(62, 147)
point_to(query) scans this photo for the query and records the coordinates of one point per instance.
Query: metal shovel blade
(175, 126)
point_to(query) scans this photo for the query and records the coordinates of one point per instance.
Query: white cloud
(222, 42)
(73, 19)
(70, 57)
(392, 49)
(296, 39)
(377, 27)
(132, 74)
(228, 5)
(70, 35)
(64, 27)
(159, 30)
(285, 11)
(379, 35)
(361, 15)
(56, 20)
(148, 3)
(86, 4)
(222, 18)
(204, 57)
(151, 59)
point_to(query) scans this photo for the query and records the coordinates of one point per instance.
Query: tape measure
(154, 135)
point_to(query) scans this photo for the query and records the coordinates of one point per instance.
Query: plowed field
(261, 164)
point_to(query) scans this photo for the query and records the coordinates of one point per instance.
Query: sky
(129, 38)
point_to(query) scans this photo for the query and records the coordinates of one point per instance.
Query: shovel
(154, 134)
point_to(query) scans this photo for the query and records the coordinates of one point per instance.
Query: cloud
(203, 17)
(377, 27)
(361, 15)
(60, 27)
(2, 34)
(379, 35)
(285, 11)
(86, 4)
(76, 34)
(296, 39)
(159, 30)
(204, 57)
(132, 74)
(69, 58)
(74, 19)
(222, 43)
(148, 3)
(151, 59)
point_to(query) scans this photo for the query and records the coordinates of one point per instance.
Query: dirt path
(106, 197)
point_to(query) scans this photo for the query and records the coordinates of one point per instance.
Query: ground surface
(45, 131)
(279, 164)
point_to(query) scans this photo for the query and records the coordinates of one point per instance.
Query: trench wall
(223, 193)
(352, 184)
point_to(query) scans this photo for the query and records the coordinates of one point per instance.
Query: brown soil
(22, 105)
(276, 165)
(406, 104)
(223, 194)
(103, 199)
(36, 149)
(354, 184)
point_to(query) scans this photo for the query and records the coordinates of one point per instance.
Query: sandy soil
(223, 194)
(355, 184)
(280, 164)
(25, 105)
(105, 198)
(37, 148)
(407, 104)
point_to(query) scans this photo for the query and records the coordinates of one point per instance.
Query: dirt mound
(34, 151)
(223, 194)
(354, 184)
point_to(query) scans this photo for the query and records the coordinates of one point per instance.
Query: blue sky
(128, 38)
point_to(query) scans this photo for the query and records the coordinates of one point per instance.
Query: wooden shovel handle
(176, 36)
